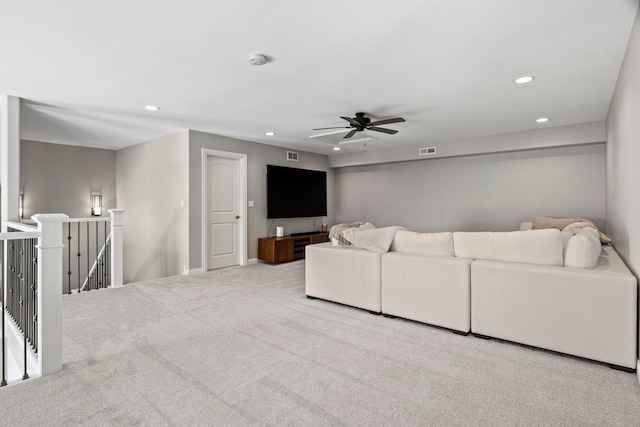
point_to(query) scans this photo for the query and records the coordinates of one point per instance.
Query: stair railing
(93, 252)
(31, 293)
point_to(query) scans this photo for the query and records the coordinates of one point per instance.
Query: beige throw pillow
(577, 226)
(547, 222)
(567, 224)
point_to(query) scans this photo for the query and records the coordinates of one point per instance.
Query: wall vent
(292, 155)
(427, 151)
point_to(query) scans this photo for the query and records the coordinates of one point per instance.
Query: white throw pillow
(583, 249)
(423, 243)
(526, 226)
(532, 246)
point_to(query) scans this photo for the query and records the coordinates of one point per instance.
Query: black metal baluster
(19, 287)
(29, 283)
(79, 255)
(2, 297)
(104, 262)
(27, 291)
(101, 272)
(25, 308)
(34, 284)
(109, 261)
(69, 257)
(97, 260)
(14, 281)
(9, 303)
(88, 255)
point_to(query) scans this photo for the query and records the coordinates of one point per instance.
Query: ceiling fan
(360, 123)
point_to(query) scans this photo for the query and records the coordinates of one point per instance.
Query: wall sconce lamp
(21, 205)
(96, 205)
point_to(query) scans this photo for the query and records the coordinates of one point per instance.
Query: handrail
(20, 226)
(19, 235)
(90, 219)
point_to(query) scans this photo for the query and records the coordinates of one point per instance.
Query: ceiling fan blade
(387, 121)
(353, 122)
(335, 127)
(350, 134)
(329, 133)
(383, 130)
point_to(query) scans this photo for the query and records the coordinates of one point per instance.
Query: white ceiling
(86, 69)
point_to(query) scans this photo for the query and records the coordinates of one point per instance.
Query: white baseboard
(200, 270)
(193, 271)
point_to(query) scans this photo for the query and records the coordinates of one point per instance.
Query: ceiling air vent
(427, 151)
(292, 155)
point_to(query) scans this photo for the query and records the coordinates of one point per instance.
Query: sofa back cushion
(423, 243)
(531, 246)
(583, 249)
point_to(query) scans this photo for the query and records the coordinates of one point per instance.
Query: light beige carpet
(243, 346)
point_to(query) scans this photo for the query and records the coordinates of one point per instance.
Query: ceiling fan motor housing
(360, 118)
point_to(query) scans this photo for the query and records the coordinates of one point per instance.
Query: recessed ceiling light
(524, 79)
(336, 148)
(542, 119)
(258, 59)
(152, 107)
(269, 133)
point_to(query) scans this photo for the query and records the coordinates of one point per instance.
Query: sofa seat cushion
(423, 243)
(532, 246)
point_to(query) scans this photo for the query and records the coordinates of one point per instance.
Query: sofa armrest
(344, 274)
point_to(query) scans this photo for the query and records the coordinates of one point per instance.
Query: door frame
(242, 209)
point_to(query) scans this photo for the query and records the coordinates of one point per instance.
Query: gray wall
(153, 179)
(544, 137)
(481, 192)
(58, 178)
(623, 154)
(258, 156)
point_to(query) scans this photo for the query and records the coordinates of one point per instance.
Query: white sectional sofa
(510, 285)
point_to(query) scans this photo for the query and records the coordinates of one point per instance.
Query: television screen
(294, 193)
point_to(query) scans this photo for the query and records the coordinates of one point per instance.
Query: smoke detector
(257, 59)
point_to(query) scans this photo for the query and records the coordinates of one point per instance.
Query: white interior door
(223, 212)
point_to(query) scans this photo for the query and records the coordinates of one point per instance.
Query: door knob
(237, 216)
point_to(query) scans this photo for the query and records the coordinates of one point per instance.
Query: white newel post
(117, 245)
(50, 292)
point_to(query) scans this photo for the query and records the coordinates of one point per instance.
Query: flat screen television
(295, 193)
